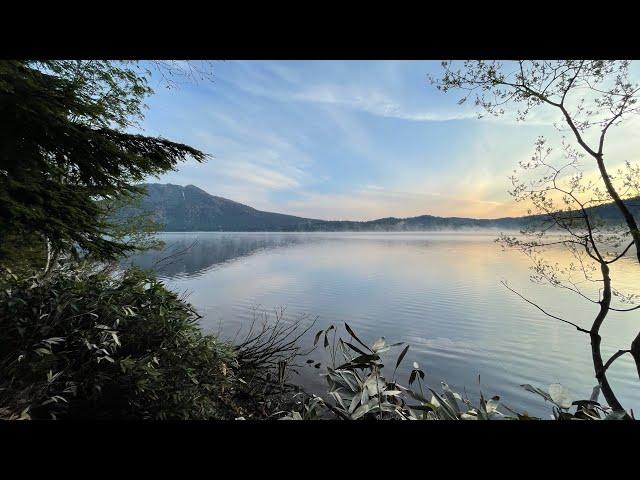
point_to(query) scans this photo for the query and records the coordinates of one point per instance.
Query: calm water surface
(439, 292)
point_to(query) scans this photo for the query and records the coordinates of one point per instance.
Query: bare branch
(578, 327)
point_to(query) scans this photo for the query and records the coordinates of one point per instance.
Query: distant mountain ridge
(190, 208)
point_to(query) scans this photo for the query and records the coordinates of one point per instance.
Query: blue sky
(342, 140)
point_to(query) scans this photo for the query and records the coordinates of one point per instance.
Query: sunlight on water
(440, 292)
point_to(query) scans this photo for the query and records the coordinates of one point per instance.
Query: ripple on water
(441, 293)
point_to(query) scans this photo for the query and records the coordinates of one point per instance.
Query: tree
(593, 97)
(64, 147)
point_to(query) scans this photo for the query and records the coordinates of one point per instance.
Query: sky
(346, 140)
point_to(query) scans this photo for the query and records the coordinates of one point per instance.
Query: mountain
(192, 209)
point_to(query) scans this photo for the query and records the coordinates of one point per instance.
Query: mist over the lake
(438, 291)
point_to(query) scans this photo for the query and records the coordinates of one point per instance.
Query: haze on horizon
(350, 140)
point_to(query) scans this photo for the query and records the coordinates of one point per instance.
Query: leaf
(374, 385)
(355, 337)
(443, 406)
(536, 390)
(392, 393)
(354, 348)
(360, 411)
(560, 395)
(315, 341)
(344, 374)
(616, 415)
(418, 396)
(451, 397)
(359, 362)
(492, 405)
(379, 344)
(428, 407)
(364, 396)
(354, 403)
(338, 398)
(401, 356)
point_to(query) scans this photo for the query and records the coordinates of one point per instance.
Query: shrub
(88, 343)
(360, 391)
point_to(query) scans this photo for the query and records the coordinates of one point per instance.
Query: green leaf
(378, 345)
(354, 348)
(401, 356)
(536, 390)
(355, 337)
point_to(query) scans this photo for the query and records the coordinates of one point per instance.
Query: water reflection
(439, 292)
(189, 254)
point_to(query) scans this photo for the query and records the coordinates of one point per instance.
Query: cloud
(374, 102)
(257, 175)
(321, 139)
(373, 202)
(371, 101)
(339, 87)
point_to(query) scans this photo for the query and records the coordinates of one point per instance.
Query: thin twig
(579, 328)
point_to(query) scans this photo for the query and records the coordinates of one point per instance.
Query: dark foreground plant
(84, 343)
(359, 390)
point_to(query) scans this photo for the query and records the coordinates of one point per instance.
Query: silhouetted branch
(175, 255)
(613, 358)
(579, 328)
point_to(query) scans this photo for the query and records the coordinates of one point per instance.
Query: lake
(440, 292)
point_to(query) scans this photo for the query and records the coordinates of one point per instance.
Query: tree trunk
(626, 213)
(601, 375)
(596, 354)
(635, 352)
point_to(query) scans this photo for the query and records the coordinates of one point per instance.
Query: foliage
(360, 391)
(86, 343)
(593, 97)
(590, 409)
(137, 228)
(266, 355)
(272, 344)
(78, 340)
(63, 146)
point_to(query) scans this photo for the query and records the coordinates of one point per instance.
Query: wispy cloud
(374, 102)
(373, 202)
(264, 177)
(352, 140)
